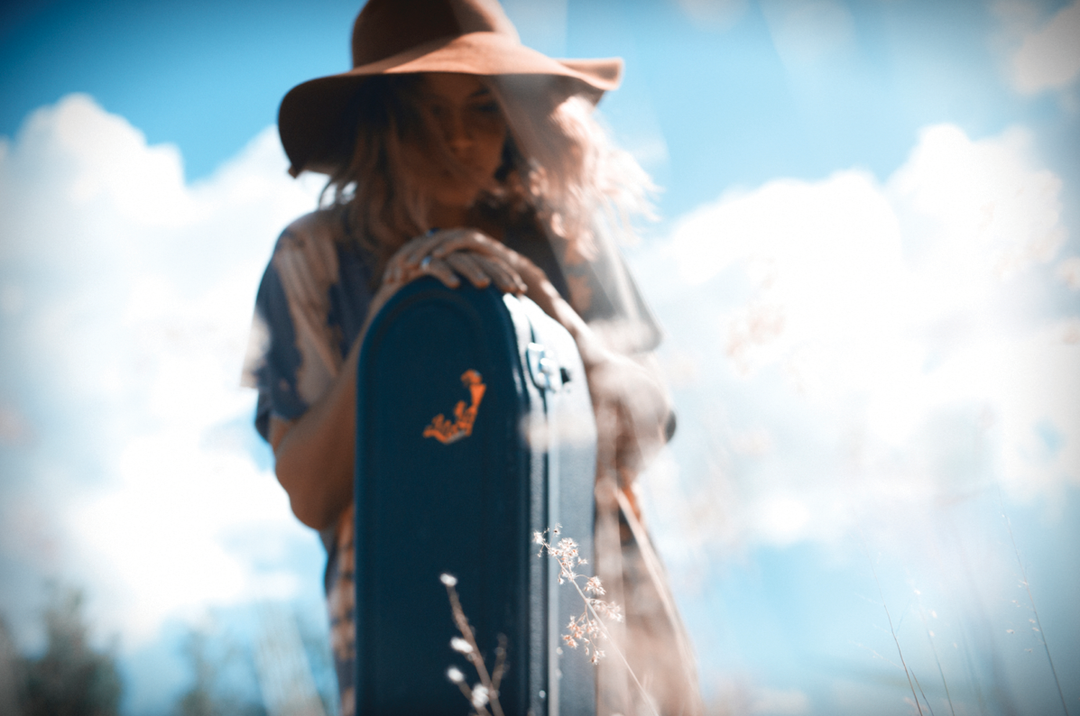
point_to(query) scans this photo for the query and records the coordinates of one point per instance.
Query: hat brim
(313, 115)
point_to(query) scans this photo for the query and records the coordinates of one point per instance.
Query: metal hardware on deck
(544, 369)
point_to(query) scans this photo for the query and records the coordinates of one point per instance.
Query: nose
(457, 133)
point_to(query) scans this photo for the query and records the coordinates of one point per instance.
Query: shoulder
(307, 250)
(312, 234)
(325, 224)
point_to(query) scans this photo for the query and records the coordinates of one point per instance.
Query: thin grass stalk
(500, 664)
(467, 692)
(965, 635)
(933, 648)
(1031, 599)
(615, 646)
(925, 700)
(944, 683)
(474, 657)
(892, 630)
(566, 566)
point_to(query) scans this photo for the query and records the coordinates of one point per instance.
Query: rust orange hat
(408, 36)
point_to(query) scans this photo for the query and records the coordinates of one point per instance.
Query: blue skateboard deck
(474, 430)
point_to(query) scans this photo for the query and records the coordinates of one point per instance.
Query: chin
(457, 199)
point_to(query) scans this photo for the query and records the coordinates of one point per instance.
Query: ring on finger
(425, 263)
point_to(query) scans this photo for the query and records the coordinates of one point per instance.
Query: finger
(442, 271)
(512, 263)
(397, 267)
(466, 240)
(498, 273)
(467, 266)
(418, 251)
(404, 274)
(421, 246)
(505, 277)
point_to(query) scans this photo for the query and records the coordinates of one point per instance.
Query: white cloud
(1048, 57)
(813, 252)
(129, 295)
(1069, 272)
(833, 328)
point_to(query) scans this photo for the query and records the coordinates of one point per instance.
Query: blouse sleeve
(294, 350)
(273, 358)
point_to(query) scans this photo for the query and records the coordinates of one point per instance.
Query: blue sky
(867, 265)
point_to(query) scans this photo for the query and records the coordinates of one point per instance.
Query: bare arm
(314, 454)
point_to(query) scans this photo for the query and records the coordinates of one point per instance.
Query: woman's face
(473, 128)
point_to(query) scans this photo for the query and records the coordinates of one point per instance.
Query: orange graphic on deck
(446, 431)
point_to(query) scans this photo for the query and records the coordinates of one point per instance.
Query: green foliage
(9, 668)
(214, 659)
(71, 678)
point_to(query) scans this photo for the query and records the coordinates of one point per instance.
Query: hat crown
(385, 28)
(317, 118)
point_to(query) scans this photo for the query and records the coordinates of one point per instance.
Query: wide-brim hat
(409, 36)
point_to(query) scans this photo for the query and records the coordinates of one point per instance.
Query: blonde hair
(558, 162)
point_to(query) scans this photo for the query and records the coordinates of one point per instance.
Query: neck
(448, 217)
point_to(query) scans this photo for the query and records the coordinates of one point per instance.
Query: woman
(455, 151)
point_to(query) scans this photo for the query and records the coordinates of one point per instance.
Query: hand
(449, 253)
(633, 411)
